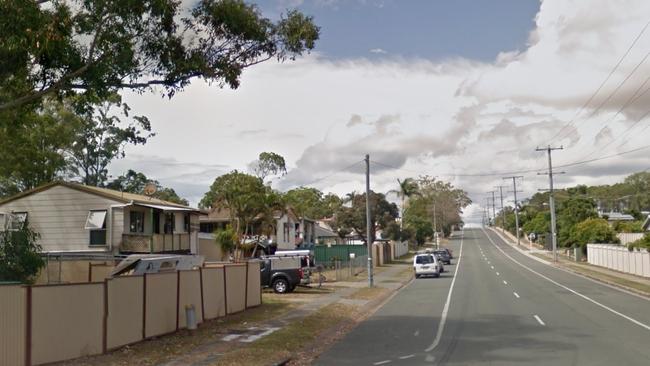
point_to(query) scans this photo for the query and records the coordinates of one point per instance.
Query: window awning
(166, 208)
(95, 220)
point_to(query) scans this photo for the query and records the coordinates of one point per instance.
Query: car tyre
(417, 276)
(281, 286)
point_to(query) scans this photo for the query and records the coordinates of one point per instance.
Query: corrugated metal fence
(49, 323)
(324, 254)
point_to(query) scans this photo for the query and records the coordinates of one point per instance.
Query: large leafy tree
(571, 212)
(268, 164)
(353, 216)
(312, 203)
(60, 47)
(134, 182)
(101, 137)
(593, 231)
(33, 149)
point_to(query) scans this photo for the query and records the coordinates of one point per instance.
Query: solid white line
(406, 357)
(445, 310)
(516, 294)
(539, 320)
(505, 282)
(647, 327)
(381, 362)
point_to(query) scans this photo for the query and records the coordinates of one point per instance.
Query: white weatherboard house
(73, 218)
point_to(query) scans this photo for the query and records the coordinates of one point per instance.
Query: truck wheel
(280, 286)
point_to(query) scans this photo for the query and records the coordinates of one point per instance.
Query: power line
(602, 84)
(491, 174)
(333, 174)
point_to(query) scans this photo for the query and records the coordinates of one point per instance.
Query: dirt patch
(282, 345)
(166, 348)
(367, 293)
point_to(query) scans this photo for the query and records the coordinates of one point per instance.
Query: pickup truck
(282, 274)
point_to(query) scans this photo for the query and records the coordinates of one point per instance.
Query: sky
(461, 90)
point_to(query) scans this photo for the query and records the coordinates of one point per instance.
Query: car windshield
(424, 259)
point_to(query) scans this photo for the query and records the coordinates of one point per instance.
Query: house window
(96, 223)
(156, 222)
(186, 222)
(17, 220)
(207, 227)
(137, 222)
(169, 223)
(285, 234)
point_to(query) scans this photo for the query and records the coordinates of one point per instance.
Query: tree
(311, 203)
(267, 164)
(539, 224)
(407, 188)
(20, 255)
(134, 182)
(593, 231)
(32, 149)
(100, 47)
(573, 211)
(226, 239)
(101, 137)
(353, 218)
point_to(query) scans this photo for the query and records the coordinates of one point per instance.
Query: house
(646, 223)
(74, 219)
(613, 217)
(283, 231)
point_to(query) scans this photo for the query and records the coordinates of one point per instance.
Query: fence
(50, 323)
(324, 254)
(627, 238)
(343, 271)
(619, 258)
(400, 248)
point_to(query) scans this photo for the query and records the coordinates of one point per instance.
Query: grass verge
(282, 344)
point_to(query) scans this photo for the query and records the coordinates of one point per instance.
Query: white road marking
(406, 357)
(445, 310)
(642, 325)
(539, 320)
(417, 333)
(516, 294)
(505, 282)
(497, 273)
(491, 266)
(381, 362)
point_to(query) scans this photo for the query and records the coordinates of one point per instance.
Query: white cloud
(452, 117)
(379, 51)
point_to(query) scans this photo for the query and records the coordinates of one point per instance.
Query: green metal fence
(324, 254)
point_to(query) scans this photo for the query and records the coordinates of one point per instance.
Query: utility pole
(487, 209)
(494, 211)
(514, 190)
(551, 200)
(368, 228)
(503, 212)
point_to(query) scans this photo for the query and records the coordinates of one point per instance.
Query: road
(497, 306)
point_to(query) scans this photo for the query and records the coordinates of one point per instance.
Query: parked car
(451, 254)
(282, 274)
(443, 256)
(426, 265)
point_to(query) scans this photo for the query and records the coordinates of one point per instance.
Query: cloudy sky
(454, 89)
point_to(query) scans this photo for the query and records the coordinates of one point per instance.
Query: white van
(426, 265)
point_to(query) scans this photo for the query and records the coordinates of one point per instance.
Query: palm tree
(407, 188)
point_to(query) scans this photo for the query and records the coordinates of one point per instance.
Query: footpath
(316, 321)
(628, 282)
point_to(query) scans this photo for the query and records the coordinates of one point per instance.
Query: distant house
(73, 218)
(283, 233)
(646, 224)
(614, 217)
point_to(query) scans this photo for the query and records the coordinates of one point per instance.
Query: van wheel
(280, 286)
(417, 276)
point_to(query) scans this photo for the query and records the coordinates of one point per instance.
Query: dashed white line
(516, 294)
(498, 274)
(406, 357)
(505, 282)
(539, 320)
(381, 362)
(629, 318)
(491, 266)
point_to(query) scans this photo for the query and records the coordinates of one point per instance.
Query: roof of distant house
(617, 216)
(124, 197)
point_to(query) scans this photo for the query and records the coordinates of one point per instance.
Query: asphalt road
(502, 308)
